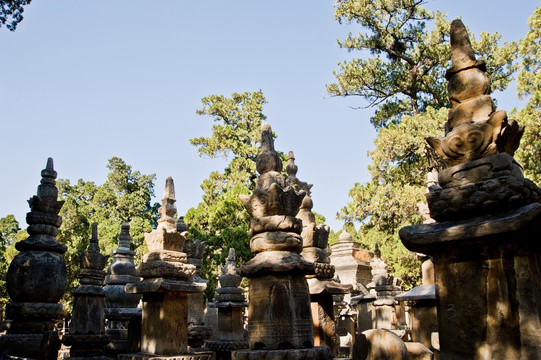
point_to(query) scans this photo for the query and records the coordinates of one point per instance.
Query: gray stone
(379, 344)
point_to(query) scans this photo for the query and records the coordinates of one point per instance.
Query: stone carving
(165, 288)
(120, 306)
(37, 278)
(87, 336)
(230, 303)
(473, 130)
(279, 315)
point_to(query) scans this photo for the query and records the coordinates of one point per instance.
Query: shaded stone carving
(120, 306)
(165, 288)
(87, 336)
(378, 344)
(230, 304)
(474, 129)
(279, 316)
(322, 286)
(37, 278)
(487, 259)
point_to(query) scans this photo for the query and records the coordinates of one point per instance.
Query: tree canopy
(11, 12)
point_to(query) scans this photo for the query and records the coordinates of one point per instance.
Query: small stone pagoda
(87, 337)
(120, 306)
(279, 318)
(487, 257)
(321, 285)
(230, 303)
(165, 288)
(36, 278)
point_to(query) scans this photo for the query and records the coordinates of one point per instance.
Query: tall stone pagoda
(120, 306)
(487, 257)
(87, 337)
(167, 281)
(37, 278)
(230, 303)
(322, 286)
(279, 316)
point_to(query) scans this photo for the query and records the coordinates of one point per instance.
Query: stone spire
(37, 276)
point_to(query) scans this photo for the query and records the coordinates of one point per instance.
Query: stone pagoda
(37, 278)
(279, 317)
(198, 332)
(488, 216)
(165, 288)
(121, 307)
(321, 285)
(87, 336)
(230, 303)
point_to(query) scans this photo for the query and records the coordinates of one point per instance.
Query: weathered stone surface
(378, 344)
(316, 353)
(275, 223)
(349, 269)
(422, 292)
(277, 241)
(199, 356)
(276, 262)
(418, 351)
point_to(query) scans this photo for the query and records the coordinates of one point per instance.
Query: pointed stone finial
(124, 239)
(377, 252)
(345, 236)
(92, 258)
(268, 160)
(291, 168)
(47, 190)
(462, 55)
(168, 209)
(231, 255)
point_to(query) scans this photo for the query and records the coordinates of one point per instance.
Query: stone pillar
(322, 286)
(120, 306)
(485, 245)
(87, 336)
(165, 288)
(230, 303)
(279, 316)
(37, 278)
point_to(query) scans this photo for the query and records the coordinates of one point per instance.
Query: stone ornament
(37, 278)
(474, 130)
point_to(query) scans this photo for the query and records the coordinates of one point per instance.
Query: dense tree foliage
(401, 71)
(124, 197)
(11, 12)
(405, 53)
(10, 233)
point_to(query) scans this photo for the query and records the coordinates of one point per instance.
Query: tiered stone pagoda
(87, 336)
(37, 278)
(165, 288)
(485, 241)
(230, 303)
(321, 285)
(120, 306)
(198, 331)
(279, 317)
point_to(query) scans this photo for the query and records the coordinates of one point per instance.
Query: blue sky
(83, 81)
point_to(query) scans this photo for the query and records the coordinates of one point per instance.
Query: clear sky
(83, 81)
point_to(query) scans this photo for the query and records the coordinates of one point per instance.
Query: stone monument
(322, 286)
(120, 306)
(165, 288)
(230, 303)
(484, 242)
(279, 316)
(87, 336)
(37, 278)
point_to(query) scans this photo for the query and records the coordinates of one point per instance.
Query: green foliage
(529, 86)
(10, 233)
(11, 13)
(404, 62)
(220, 219)
(124, 197)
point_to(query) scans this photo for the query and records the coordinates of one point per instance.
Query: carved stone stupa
(485, 239)
(279, 316)
(165, 288)
(37, 278)
(87, 336)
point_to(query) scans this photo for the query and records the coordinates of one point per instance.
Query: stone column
(120, 306)
(279, 316)
(165, 288)
(37, 278)
(87, 336)
(230, 303)
(485, 245)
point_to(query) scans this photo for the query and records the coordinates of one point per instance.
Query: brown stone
(379, 345)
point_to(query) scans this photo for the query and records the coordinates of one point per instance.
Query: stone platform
(315, 353)
(139, 356)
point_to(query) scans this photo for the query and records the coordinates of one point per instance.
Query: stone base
(31, 345)
(315, 353)
(139, 356)
(226, 346)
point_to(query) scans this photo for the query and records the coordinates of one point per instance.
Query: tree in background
(220, 219)
(403, 78)
(124, 197)
(11, 12)
(529, 86)
(10, 233)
